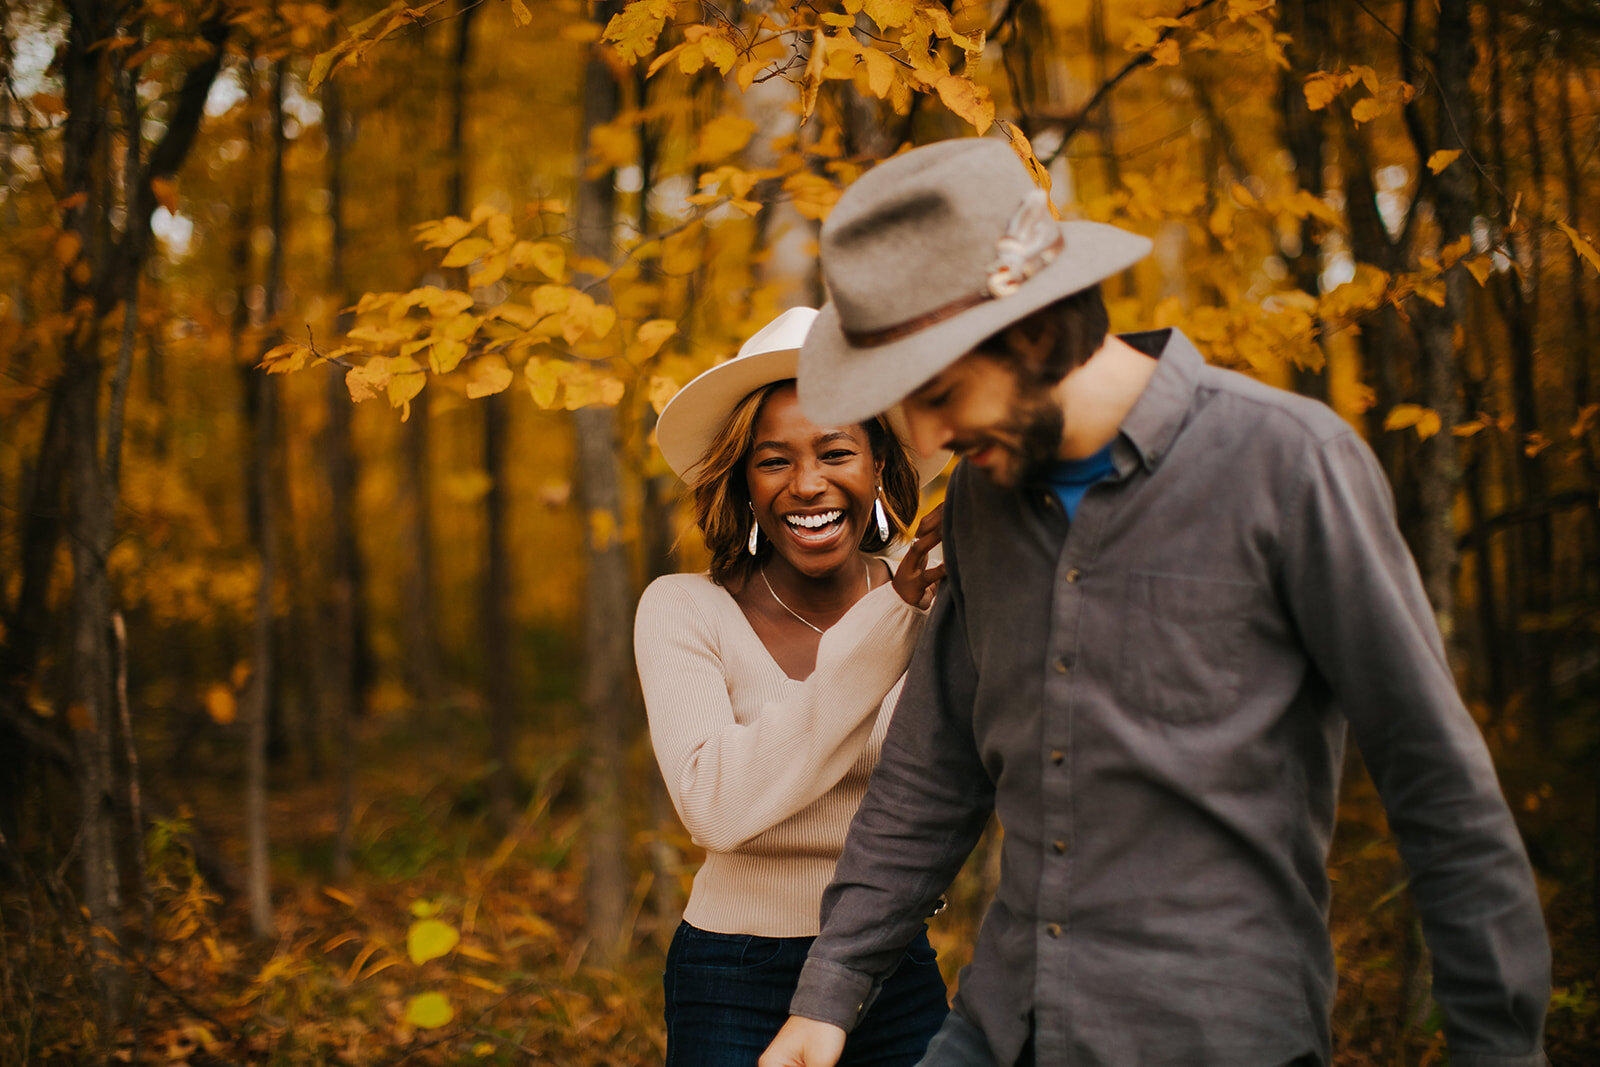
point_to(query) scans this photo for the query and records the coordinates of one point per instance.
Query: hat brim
(841, 383)
(695, 414)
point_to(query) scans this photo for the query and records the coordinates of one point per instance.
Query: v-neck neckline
(750, 629)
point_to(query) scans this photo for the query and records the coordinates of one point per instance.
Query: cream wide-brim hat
(909, 256)
(692, 418)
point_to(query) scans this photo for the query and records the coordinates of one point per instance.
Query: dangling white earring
(880, 517)
(755, 531)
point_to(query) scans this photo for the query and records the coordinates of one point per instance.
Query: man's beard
(1031, 435)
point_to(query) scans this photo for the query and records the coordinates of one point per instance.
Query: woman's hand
(805, 1043)
(914, 580)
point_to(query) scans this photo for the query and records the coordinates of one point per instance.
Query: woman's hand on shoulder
(914, 580)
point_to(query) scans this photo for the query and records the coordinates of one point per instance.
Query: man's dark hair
(1081, 327)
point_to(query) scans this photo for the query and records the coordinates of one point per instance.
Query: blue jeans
(727, 995)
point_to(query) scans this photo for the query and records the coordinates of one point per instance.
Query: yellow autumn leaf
(613, 144)
(475, 952)
(601, 320)
(691, 57)
(500, 230)
(747, 73)
(446, 355)
(1581, 245)
(880, 71)
(67, 247)
(1368, 108)
(1165, 53)
(405, 382)
(660, 391)
(465, 251)
(1442, 159)
(602, 529)
(491, 270)
(888, 13)
(520, 13)
(551, 299)
(1322, 87)
(967, 99)
(428, 939)
(487, 375)
(1424, 420)
(720, 53)
(722, 137)
(1479, 267)
(635, 28)
(1451, 253)
(664, 58)
(586, 387)
(550, 259)
(429, 1011)
(220, 704)
(650, 336)
(1024, 150)
(812, 81)
(165, 191)
(365, 381)
(813, 195)
(544, 379)
(444, 232)
(580, 311)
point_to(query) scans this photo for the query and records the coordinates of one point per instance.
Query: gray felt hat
(928, 254)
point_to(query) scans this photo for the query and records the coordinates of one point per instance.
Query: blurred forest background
(319, 740)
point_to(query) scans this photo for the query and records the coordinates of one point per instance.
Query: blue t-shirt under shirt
(1071, 478)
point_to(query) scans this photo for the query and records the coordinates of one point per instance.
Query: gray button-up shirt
(1154, 698)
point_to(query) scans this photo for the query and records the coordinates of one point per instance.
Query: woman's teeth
(814, 522)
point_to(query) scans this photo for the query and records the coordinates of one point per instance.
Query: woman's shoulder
(670, 593)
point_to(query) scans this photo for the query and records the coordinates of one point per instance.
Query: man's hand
(804, 1043)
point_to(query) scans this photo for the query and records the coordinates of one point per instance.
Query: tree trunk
(1304, 22)
(609, 599)
(89, 506)
(1581, 344)
(262, 703)
(1439, 464)
(495, 615)
(344, 689)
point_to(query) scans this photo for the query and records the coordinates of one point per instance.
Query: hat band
(890, 334)
(1031, 244)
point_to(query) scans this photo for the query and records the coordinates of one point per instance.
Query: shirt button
(1073, 575)
(1060, 847)
(1054, 929)
(1058, 757)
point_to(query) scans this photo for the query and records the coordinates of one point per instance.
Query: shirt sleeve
(729, 780)
(1354, 593)
(926, 806)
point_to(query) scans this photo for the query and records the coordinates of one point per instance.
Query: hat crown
(942, 208)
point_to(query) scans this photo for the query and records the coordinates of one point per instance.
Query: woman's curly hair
(721, 496)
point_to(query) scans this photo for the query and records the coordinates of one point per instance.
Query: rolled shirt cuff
(833, 993)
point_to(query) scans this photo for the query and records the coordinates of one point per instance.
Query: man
(1169, 589)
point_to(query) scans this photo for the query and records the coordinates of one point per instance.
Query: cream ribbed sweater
(765, 771)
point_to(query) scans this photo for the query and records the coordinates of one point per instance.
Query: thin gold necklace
(866, 569)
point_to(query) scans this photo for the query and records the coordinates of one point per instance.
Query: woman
(769, 683)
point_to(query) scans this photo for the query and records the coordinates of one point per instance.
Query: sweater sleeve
(729, 780)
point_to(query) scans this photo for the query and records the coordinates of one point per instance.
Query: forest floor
(451, 944)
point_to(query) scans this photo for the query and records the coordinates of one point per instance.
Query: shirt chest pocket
(1183, 643)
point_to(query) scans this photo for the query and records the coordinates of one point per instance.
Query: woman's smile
(811, 487)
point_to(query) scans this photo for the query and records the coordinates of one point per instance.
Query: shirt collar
(1157, 416)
